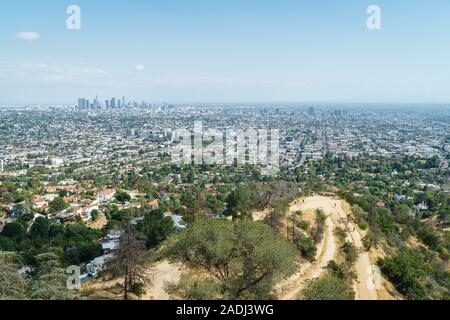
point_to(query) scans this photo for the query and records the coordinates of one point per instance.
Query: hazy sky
(225, 51)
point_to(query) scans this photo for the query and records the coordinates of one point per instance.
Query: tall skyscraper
(112, 103)
(81, 103)
(96, 102)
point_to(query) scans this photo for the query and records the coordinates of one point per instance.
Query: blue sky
(226, 51)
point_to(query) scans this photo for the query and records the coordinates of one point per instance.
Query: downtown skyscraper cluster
(113, 103)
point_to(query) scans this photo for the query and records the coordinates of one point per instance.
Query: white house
(87, 210)
(106, 195)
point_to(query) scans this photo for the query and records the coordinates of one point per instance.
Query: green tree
(12, 285)
(319, 229)
(128, 262)
(350, 251)
(63, 193)
(56, 231)
(40, 228)
(192, 288)
(444, 214)
(95, 215)
(433, 162)
(406, 270)
(244, 257)
(306, 246)
(157, 228)
(58, 205)
(14, 231)
(240, 202)
(7, 198)
(328, 287)
(50, 282)
(122, 197)
(21, 209)
(7, 244)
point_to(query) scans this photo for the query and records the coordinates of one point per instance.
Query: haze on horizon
(230, 51)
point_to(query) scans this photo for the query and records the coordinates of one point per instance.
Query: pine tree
(128, 261)
(50, 282)
(12, 285)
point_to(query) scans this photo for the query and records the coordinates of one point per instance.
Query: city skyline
(84, 103)
(225, 52)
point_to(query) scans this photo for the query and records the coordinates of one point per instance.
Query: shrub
(305, 246)
(329, 287)
(304, 225)
(406, 270)
(138, 289)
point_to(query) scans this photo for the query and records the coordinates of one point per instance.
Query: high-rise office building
(112, 103)
(81, 103)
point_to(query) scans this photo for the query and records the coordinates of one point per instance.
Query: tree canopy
(246, 258)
